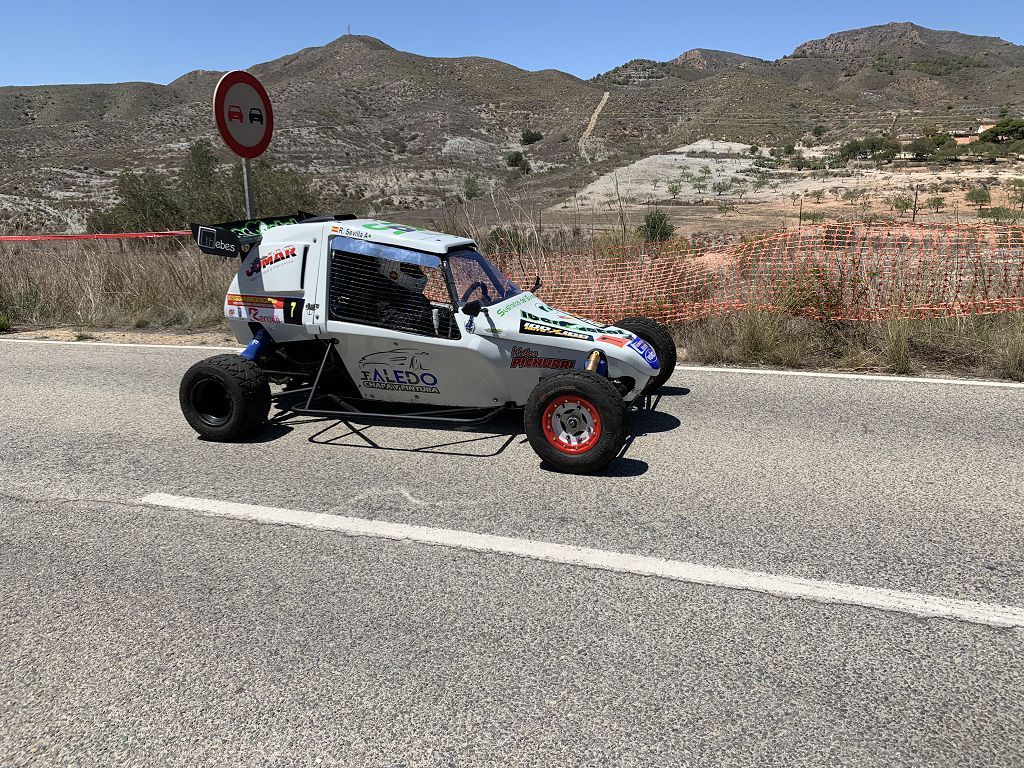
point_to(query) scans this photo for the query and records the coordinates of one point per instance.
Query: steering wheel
(480, 286)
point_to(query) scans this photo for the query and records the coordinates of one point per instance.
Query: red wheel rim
(571, 424)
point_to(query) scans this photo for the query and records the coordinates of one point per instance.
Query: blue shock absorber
(255, 347)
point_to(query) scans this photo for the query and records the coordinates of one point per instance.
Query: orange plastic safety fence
(829, 271)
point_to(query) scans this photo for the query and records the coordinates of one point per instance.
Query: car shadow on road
(483, 441)
(477, 442)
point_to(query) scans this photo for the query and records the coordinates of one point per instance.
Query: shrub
(514, 158)
(901, 203)
(979, 196)
(656, 227)
(470, 188)
(531, 136)
(204, 191)
(5, 322)
(1000, 214)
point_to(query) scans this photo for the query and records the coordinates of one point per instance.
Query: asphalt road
(137, 635)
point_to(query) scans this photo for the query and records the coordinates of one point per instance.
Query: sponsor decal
(390, 226)
(540, 329)
(618, 341)
(517, 302)
(207, 238)
(254, 227)
(398, 370)
(261, 263)
(573, 325)
(524, 357)
(265, 309)
(646, 351)
(578, 323)
(247, 300)
(349, 232)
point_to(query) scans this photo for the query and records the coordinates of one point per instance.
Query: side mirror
(472, 308)
(536, 284)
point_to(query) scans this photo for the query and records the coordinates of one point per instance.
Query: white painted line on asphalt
(931, 606)
(695, 368)
(853, 376)
(120, 344)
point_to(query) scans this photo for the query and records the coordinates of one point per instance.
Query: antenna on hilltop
(348, 30)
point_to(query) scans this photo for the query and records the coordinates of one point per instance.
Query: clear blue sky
(117, 40)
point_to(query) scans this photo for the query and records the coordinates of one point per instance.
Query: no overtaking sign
(244, 116)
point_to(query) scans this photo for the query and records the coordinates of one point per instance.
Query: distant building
(984, 127)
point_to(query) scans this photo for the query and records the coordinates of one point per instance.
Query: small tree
(754, 149)
(656, 227)
(701, 185)
(1015, 192)
(530, 136)
(674, 188)
(818, 131)
(817, 194)
(146, 203)
(721, 186)
(979, 196)
(514, 158)
(901, 203)
(470, 188)
(936, 203)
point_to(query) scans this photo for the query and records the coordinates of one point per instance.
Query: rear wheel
(225, 397)
(658, 336)
(576, 421)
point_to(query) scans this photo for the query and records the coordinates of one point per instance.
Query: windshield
(477, 279)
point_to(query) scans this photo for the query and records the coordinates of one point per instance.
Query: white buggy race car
(370, 321)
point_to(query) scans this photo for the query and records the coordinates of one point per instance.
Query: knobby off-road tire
(225, 397)
(658, 336)
(576, 421)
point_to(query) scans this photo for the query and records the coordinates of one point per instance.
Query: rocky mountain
(388, 130)
(707, 60)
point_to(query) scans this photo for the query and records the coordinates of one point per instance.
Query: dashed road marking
(912, 603)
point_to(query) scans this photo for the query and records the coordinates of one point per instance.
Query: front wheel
(225, 397)
(576, 421)
(658, 336)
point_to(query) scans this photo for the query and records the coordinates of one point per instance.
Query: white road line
(854, 376)
(930, 606)
(694, 368)
(120, 344)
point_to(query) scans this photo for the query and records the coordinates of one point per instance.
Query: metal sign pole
(250, 199)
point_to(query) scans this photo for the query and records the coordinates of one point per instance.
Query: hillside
(381, 128)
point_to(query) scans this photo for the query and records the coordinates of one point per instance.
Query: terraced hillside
(381, 128)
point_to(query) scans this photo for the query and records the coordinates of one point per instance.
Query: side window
(389, 287)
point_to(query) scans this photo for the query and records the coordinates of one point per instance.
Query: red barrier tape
(113, 236)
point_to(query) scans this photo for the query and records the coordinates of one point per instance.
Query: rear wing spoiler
(237, 238)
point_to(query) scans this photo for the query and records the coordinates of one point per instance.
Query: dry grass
(981, 345)
(164, 285)
(112, 285)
